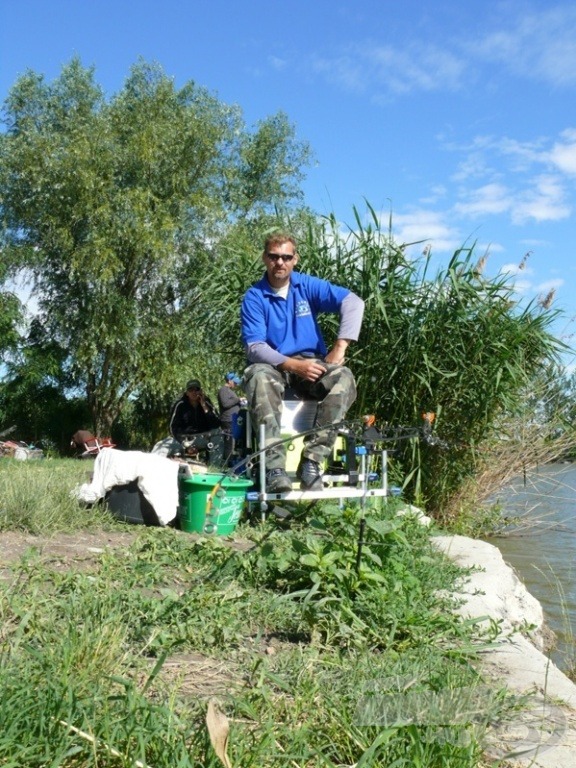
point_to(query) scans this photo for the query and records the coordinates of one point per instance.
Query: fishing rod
(370, 435)
(353, 426)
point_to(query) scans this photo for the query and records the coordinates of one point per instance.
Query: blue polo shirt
(289, 325)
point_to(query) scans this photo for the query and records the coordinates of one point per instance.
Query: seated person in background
(194, 424)
(229, 404)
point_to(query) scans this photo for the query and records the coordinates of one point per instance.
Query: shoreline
(545, 735)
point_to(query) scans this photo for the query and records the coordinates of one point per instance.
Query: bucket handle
(210, 524)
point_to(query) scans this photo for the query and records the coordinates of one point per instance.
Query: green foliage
(141, 220)
(36, 396)
(112, 206)
(11, 310)
(350, 602)
(300, 647)
(552, 398)
(10, 319)
(455, 343)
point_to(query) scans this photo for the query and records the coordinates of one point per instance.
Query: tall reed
(456, 343)
(453, 342)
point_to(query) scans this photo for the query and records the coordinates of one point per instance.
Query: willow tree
(10, 318)
(111, 206)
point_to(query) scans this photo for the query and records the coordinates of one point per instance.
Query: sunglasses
(277, 256)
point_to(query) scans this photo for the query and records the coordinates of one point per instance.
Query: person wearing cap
(285, 348)
(229, 406)
(193, 419)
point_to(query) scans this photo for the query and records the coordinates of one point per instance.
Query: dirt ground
(75, 550)
(63, 550)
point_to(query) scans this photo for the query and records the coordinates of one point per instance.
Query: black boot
(308, 473)
(277, 481)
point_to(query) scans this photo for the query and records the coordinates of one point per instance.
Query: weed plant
(316, 656)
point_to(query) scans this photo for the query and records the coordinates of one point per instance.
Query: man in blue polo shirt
(285, 347)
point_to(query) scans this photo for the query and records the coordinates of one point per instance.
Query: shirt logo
(302, 308)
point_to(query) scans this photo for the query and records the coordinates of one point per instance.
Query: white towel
(157, 478)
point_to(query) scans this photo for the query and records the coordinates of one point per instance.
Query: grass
(312, 661)
(35, 496)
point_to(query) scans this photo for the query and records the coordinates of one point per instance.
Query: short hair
(279, 238)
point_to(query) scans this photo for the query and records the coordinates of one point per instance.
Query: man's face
(194, 395)
(280, 260)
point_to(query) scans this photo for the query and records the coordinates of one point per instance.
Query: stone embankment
(544, 736)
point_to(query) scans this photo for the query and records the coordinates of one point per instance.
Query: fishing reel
(387, 433)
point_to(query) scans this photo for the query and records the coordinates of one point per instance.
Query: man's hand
(337, 353)
(308, 369)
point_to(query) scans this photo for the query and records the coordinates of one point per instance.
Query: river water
(541, 547)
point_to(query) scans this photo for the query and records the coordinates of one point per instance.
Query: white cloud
(484, 156)
(533, 243)
(474, 166)
(535, 46)
(563, 153)
(523, 286)
(489, 199)
(437, 192)
(529, 194)
(419, 67)
(375, 68)
(544, 201)
(277, 63)
(520, 274)
(521, 154)
(342, 70)
(550, 285)
(516, 269)
(431, 227)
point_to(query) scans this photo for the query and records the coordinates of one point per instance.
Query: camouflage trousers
(335, 392)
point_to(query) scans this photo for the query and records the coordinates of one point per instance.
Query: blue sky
(458, 117)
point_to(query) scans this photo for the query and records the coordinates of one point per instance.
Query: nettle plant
(348, 589)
